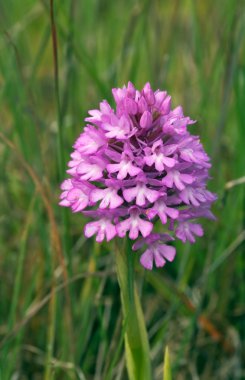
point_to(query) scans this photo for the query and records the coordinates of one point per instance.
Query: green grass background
(60, 313)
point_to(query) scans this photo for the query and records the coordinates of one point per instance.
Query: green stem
(130, 263)
(51, 336)
(61, 159)
(136, 340)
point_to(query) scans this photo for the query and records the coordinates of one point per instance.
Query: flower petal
(146, 259)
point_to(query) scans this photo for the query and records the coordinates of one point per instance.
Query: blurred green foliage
(59, 299)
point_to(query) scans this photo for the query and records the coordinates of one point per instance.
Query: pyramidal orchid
(135, 165)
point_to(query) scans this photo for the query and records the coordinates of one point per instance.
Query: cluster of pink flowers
(135, 165)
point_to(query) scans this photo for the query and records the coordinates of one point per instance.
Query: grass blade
(166, 367)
